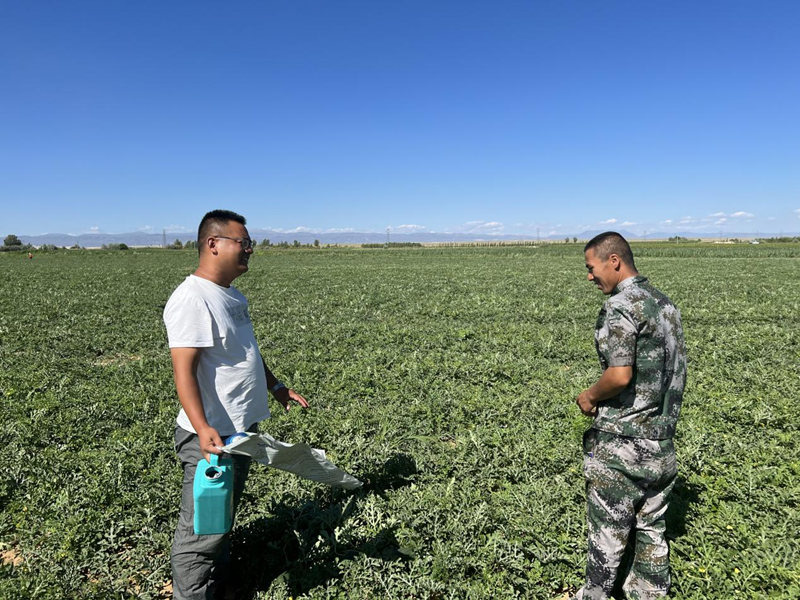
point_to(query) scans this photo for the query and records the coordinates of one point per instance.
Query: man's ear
(615, 261)
(211, 244)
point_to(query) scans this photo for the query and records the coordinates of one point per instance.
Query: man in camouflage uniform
(629, 459)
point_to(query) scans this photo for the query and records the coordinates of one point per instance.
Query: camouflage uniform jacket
(639, 326)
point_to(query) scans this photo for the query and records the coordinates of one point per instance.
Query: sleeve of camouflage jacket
(621, 342)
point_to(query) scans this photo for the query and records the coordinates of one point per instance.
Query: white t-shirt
(233, 385)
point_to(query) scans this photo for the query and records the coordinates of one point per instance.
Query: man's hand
(285, 396)
(209, 441)
(611, 383)
(585, 403)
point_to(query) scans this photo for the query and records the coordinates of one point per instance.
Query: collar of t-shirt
(203, 281)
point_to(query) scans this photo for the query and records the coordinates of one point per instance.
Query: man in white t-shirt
(222, 383)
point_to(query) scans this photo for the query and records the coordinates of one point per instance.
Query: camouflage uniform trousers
(628, 485)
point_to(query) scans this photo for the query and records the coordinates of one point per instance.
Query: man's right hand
(209, 441)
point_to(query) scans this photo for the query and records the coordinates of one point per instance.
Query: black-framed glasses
(246, 243)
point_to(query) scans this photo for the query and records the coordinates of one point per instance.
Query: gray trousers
(200, 562)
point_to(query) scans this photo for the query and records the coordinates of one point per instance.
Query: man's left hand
(586, 405)
(284, 396)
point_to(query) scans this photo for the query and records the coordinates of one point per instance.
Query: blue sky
(453, 116)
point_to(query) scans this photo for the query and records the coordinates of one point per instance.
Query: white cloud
(720, 221)
(340, 230)
(608, 222)
(718, 214)
(175, 229)
(668, 222)
(408, 228)
(299, 229)
(742, 214)
(482, 227)
(797, 210)
(627, 223)
(94, 229)
(686, 220)
(146, 229)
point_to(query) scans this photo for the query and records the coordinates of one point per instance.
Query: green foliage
(12, 243)
(445, 378)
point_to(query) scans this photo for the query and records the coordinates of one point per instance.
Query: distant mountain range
(96, 240)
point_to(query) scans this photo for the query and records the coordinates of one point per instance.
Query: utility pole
(537, 236)
(387, 236)
(163, 238)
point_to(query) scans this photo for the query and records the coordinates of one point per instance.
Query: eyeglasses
(246, 243)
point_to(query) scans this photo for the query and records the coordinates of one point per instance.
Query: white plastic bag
(300, 459)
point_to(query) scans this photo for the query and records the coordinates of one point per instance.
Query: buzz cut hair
(608, 243)
(213, 221)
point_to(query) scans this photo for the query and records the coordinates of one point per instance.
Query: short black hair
(212, 221)
(608, 243)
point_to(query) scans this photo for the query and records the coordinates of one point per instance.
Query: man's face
(233, 258)
(603, 273)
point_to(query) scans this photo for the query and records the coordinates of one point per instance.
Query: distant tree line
(12, 243)
(265, 243)
(782, 240)
(179, 245)
(502, 243)
(394, 245)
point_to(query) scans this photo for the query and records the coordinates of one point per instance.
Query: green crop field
(443, 378)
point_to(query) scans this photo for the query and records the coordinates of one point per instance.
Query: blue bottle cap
(230, 438)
